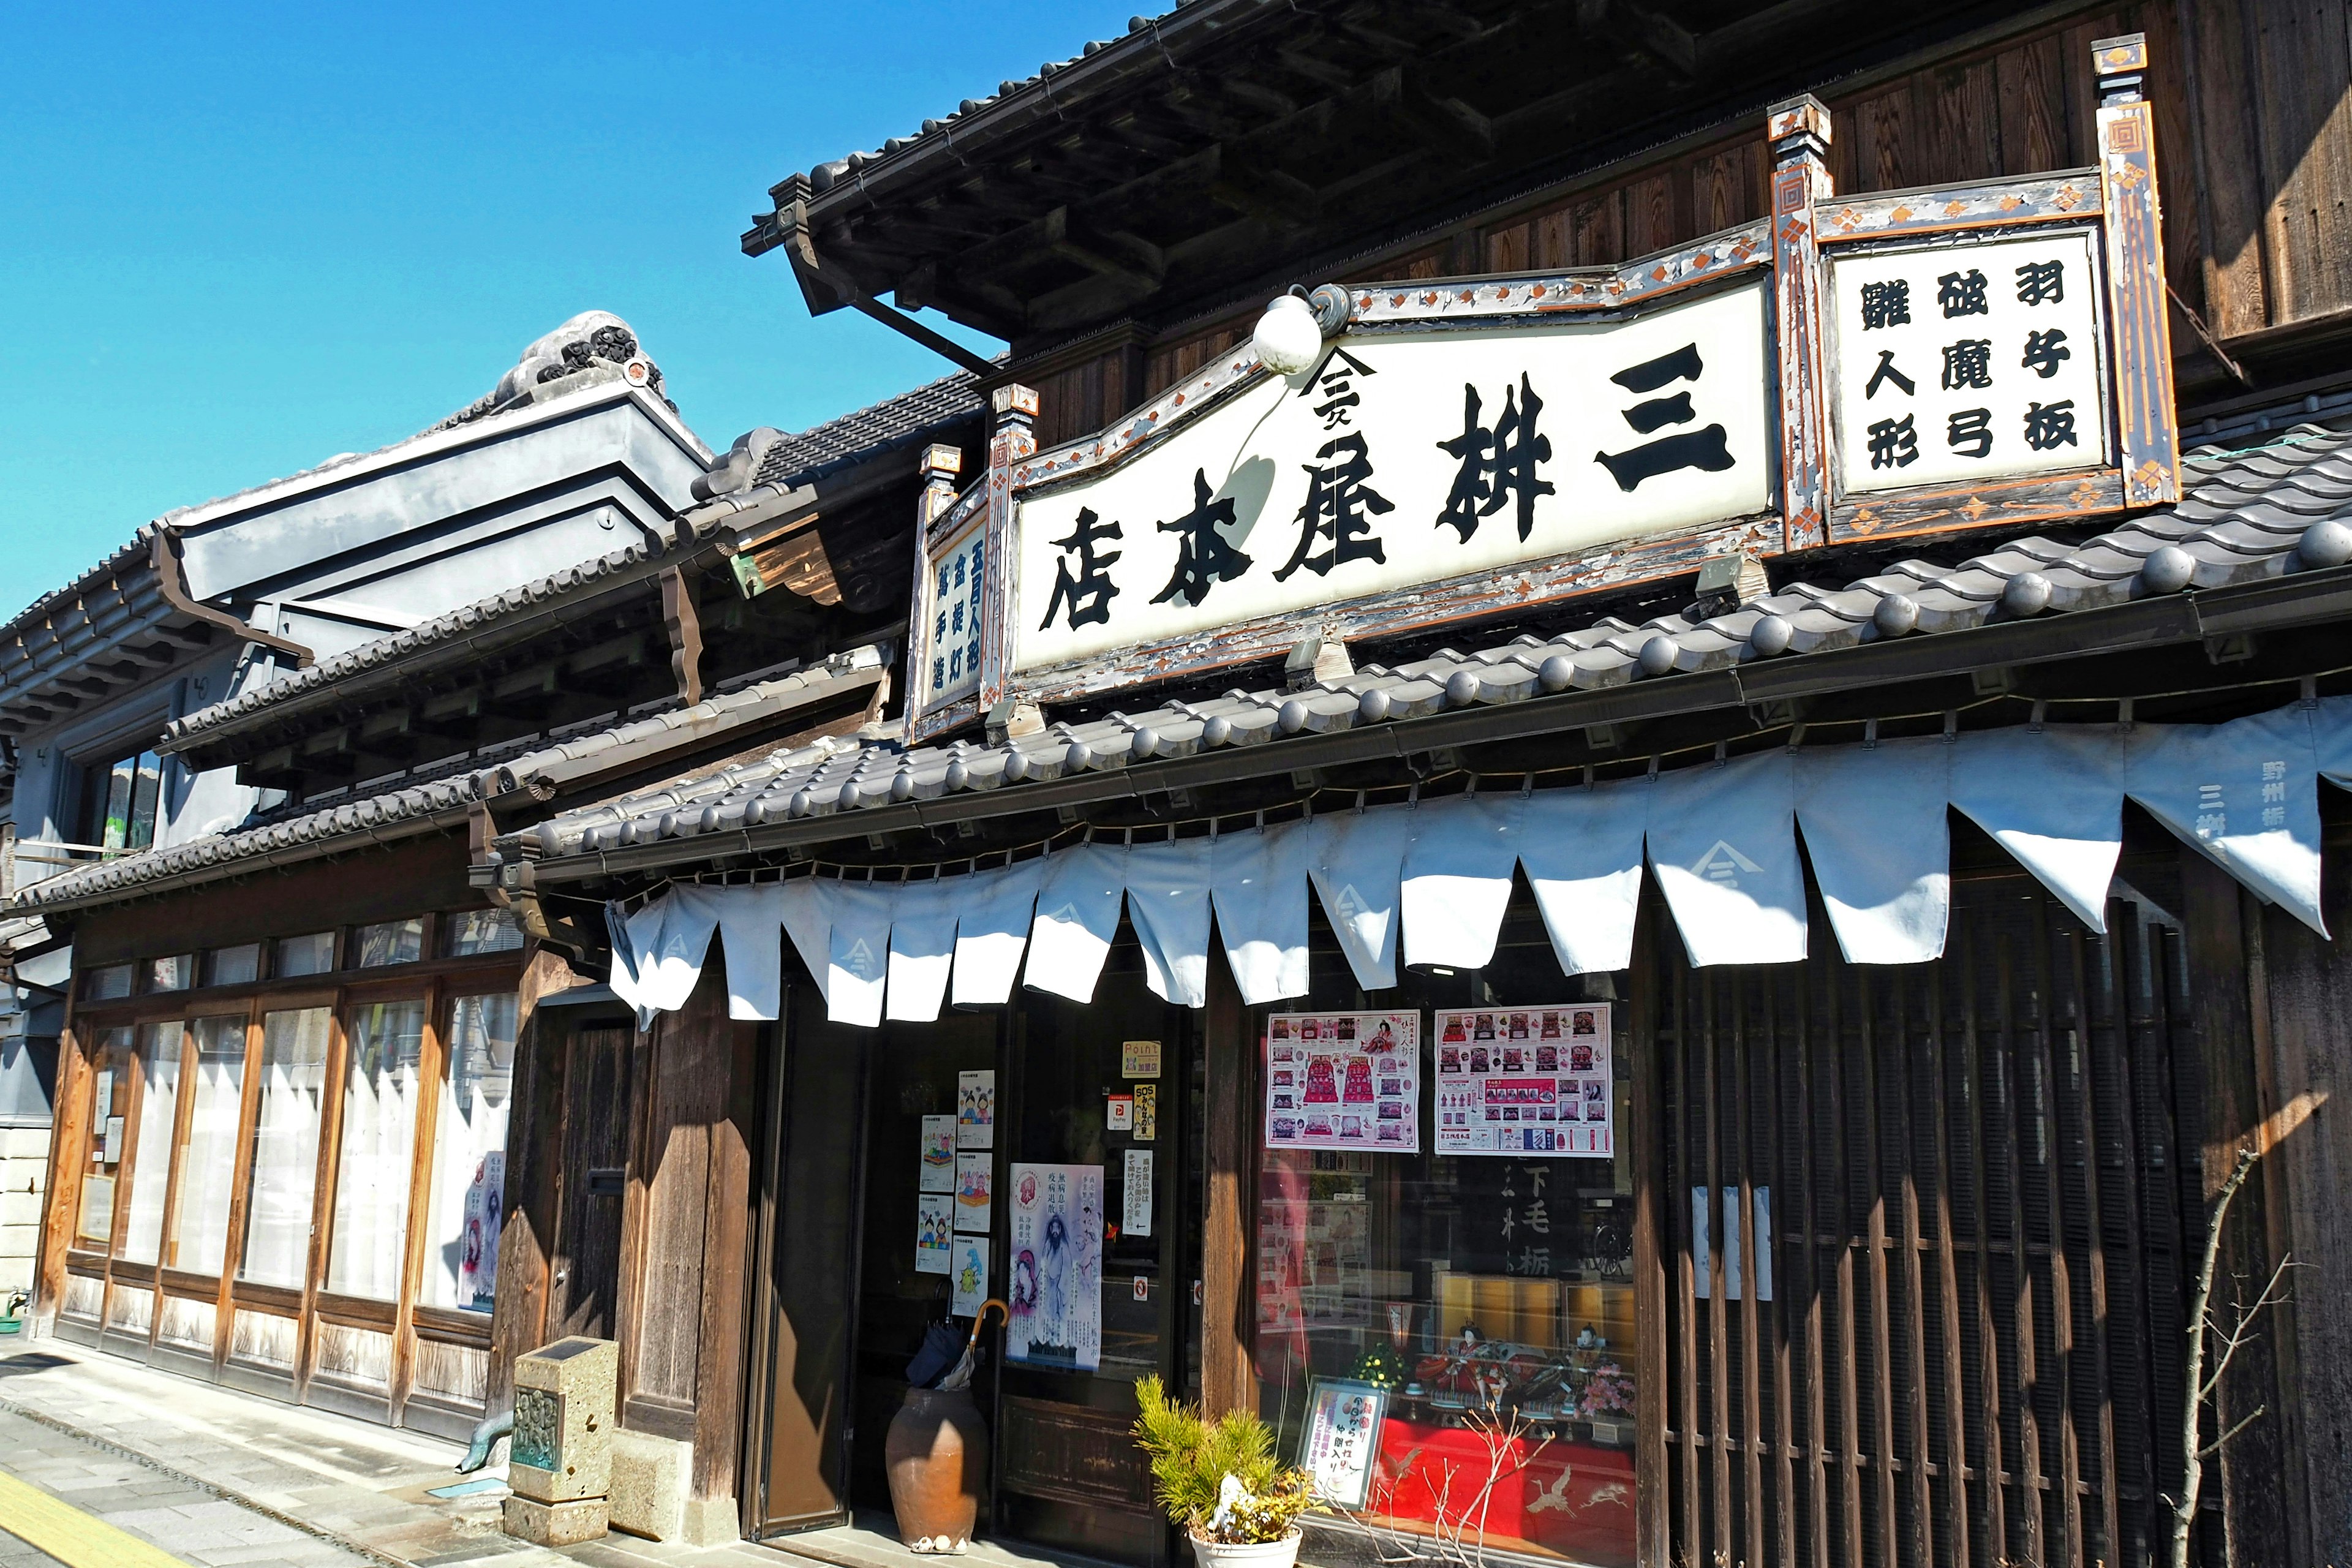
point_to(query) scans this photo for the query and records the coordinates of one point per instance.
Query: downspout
(164, 553)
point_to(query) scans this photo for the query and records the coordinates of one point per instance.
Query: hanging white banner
(858, 950)
(2246, 793)
(922, 948)
(1723, 843)
(1875, 823)
(1077, 915)
(1168, 900)
(2055, 799)
(992, 932)
(668, 939)
(1357, 861)
(1258, 880)
(749, 919)
(1582, 852)
(1458, 878)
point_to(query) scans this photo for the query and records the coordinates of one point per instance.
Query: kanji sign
(1404, 458)
(1961, 363)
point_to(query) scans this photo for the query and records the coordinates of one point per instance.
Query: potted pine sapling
(1220, 1482)
(11, 1318)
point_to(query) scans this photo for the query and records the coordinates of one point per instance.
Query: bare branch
(2215, 1447)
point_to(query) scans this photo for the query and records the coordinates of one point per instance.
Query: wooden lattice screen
(1966, 1349)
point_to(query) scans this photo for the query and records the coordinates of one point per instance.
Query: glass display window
(233, 965)
(111, 983)
(300, 955)
(1479, 1290)
(109, 1105)
(381, 1087)
(282, 1183)
(469, 1142)
(207, 1159)
(469, 933)
(392, 941)
(160, 1048)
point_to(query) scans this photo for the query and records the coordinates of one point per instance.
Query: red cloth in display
(1572, 1498)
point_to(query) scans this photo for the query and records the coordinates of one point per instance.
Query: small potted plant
(1608, 1402)
(1219, 1481)
(12, 1321)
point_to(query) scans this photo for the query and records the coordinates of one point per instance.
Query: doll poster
(1054, 1266)
(976, 1110)
(972, 1192)
(969, 1276)
(939, 1153)
(1343, 1080)
(1525, 1081)
(935, 1234)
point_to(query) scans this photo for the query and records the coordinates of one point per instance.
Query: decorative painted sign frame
(2130, 439)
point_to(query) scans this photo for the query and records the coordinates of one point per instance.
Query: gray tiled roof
(869, 432)
(793, 460)
(2245, 515)
(341, 827)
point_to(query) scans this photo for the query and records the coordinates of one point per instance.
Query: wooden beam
(1228, 1381)
(685, 627)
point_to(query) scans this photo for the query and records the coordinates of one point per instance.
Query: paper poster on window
(976, 1110)
(1135, 1196)
(1343, 1080)
(1138, 1059)
(974, 1176)
(478, 1270)
(1525, 1081)
(113, 1148)
(935, 1237)
(1055, 1265)
(1342, 1438)
(939, 1153)
(971, 1275)
(101, 1100)
(1147, 1112)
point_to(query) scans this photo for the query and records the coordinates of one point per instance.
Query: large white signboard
(1402, 460)
(1963, 363)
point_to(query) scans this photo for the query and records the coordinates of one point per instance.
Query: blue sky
(237, 239)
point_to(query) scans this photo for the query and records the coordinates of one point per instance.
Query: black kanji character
(1962, 294)
(1205, 557)
(2044, 350)
(1087, 594)
(1887, 373)
(1970, 428)
(1705, 449)
(1336, 382)
(1337, 501)
(2041, 281)
(1499, 465)
(1967, 362)
(2049, 425)
(1887, 304)
(1894, 444)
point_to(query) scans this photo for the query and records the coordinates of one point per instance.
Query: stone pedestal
(559, 1464)
(649, 1485)
(558, 1523)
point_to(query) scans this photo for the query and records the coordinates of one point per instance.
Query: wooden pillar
(1645, 1139)
(1012, 440)
(2290, 1103)
(68, 1145)
(1799, 131)
(534, 1161)
(727, 1261)
(2138, 309)
(1228, 1380)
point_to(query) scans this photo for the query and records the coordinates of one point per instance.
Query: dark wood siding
(1970, 1350)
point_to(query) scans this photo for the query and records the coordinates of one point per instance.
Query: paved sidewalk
(227, 1479)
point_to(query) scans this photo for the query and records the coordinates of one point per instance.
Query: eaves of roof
(2261, 539)
(436, 804)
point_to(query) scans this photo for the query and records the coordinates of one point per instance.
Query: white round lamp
(1288, 338)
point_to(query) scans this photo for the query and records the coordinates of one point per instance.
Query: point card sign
(1342, 1440)
(1525, 1081)
(1343, 1080)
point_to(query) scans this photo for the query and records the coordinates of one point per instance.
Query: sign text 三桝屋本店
(1402, 459)
(1959, 363)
